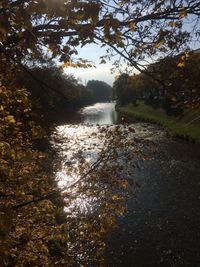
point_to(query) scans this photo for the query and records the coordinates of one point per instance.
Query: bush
(172, 108)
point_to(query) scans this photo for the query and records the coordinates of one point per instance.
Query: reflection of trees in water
(114, 116)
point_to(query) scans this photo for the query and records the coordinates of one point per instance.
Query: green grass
(186, 126)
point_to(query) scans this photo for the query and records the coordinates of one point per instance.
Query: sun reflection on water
(78, 147)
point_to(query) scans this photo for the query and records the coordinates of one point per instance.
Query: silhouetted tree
(100, 90)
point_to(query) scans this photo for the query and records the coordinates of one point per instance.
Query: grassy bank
(187, 126)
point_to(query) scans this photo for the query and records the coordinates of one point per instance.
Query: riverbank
(187, 126)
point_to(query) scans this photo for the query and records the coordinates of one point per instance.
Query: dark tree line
(175, 87)
(100, 91)
(53, 90)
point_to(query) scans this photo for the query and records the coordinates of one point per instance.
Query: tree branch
(50, 196)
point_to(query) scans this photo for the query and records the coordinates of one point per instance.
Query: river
(162, 224)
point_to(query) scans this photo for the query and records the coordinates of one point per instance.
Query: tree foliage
(180, 78)
(179, 88)
(135, 29)
(58, 91)
(124, 90)
(35, 231)
(100, 90)
(35, 228)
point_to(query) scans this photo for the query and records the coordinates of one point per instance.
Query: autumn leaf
(133, 26)
(10, 119)
(172, 24)
(183, 14)
(181, 64)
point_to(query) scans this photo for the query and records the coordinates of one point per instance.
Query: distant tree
(57, 91)
(100, 90)
(125, 90)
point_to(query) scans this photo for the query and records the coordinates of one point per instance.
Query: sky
(92, 52)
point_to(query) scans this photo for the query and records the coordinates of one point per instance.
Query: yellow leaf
(125, 184)
(133, 26)
(182, 14)
(172, 23)
(116, 197)
(10, 119)
(181, 65)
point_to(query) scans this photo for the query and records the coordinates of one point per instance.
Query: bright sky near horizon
(92, 52)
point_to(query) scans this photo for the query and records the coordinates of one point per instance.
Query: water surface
(99, 113)
(162, 223)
